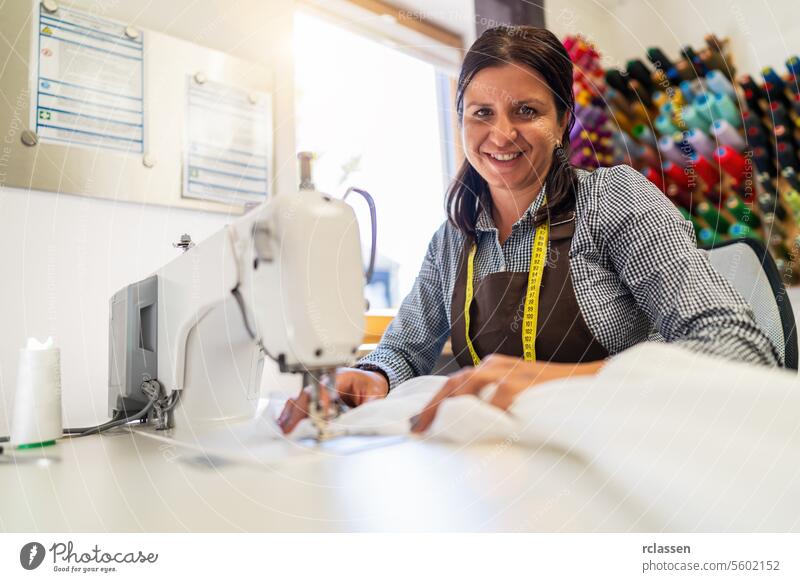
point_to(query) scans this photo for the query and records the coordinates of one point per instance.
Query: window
(378, 119)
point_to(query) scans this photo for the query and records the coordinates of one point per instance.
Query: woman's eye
(483, 112)
(526, 111)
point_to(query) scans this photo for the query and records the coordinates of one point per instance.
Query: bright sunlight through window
(372, 115)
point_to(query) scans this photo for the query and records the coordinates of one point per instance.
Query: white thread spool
(37, 406)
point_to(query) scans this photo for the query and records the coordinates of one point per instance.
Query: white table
(129, 481)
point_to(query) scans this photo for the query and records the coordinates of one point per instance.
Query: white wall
(762, 32)
(62, 256)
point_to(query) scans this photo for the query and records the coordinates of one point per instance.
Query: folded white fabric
(700, 443)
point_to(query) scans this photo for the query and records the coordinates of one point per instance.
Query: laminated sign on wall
(228, 150)
(89, 81)
(98, 105)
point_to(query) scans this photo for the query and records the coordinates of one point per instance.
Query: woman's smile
(502, 161)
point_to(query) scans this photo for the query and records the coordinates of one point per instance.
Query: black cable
(146, 387)
(118, 419)
(119, 415)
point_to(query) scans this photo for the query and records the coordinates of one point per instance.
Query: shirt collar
(485, 222)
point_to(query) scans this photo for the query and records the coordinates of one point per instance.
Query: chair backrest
(747, 265)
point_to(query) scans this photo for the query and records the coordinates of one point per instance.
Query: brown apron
(498, 306)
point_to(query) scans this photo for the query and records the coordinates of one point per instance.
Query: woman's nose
(504, 132)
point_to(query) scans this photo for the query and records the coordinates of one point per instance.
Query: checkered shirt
(635, 267)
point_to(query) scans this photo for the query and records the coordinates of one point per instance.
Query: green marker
(36, 445)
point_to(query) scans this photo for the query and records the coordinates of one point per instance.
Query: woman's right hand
(354, 386)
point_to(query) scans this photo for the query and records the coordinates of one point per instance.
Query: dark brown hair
(540, 50)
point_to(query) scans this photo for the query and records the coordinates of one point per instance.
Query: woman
(542, 271)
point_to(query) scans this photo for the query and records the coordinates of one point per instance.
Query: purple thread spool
(670, 150)
(700, 142)
(727, 135)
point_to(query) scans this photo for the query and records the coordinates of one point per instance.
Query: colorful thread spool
(720, 84)
(700, 142)
(727, 135)
(731, 162)
(725, 108)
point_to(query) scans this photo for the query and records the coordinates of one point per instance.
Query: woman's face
(510, 127)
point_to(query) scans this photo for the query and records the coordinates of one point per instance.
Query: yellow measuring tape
(531, 316)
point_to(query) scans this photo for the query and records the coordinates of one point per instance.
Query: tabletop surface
(131, 480)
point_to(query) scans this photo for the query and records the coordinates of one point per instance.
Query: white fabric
(700, 442)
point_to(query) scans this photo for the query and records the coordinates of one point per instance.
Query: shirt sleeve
(413, 341)
(653, 250)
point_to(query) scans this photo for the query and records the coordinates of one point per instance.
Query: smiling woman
(542, 271)
(519, 106)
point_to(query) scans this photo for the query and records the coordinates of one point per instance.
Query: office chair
(747, 265)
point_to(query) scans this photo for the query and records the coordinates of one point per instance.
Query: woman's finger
(296, 409)
(364, 393)
(507, 392)
(461, 383)
(348, 392)
(421, 421)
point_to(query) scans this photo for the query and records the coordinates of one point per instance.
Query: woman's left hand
(510, 375)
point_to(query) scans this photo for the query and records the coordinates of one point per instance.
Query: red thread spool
(707, 171)
(675, 175)
(731, 162)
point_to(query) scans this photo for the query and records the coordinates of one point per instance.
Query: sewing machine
(284, 281)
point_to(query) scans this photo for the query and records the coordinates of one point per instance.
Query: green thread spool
(713, 217)
(703, 106)
(724, 107)
(664, 125)
(742, 213)
(693, 119)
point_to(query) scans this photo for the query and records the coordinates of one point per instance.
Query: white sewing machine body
(292, 267)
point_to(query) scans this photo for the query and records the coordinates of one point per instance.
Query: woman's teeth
(505, 157)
